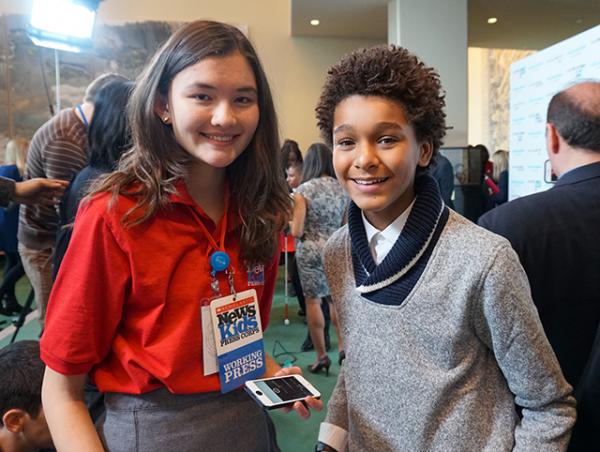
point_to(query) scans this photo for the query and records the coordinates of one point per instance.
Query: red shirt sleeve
(87, 299)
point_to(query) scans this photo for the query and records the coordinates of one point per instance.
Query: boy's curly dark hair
(391, 72)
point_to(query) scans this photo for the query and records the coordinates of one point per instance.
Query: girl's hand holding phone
(302, 407)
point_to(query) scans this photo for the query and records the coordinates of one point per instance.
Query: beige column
(436, 31)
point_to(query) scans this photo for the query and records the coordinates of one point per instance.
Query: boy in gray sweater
(442, 339)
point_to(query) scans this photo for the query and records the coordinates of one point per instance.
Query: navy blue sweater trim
(424, 220)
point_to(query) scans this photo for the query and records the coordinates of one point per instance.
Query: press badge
(209, 353)
(238, 338)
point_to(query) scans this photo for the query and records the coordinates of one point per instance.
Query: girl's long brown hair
(150, 168)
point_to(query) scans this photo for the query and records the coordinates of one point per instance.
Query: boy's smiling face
(375, 156)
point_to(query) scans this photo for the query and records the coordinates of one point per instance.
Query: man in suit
(556, 234)
(444, 175)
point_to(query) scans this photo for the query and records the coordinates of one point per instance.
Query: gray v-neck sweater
(443, 370)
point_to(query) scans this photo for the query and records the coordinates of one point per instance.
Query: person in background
(36, 191)
(58, 150)
(497, 184)
(23, 426)
(459, 174)
(291, 159)
(487, 166)
(482, 201)
(319, 207)
(555, 234)
(293, 179)
(109, 136)
(15, 158)
(442, 338)
(444, 175)
(293, 175)
(290, 155)
(201, 180)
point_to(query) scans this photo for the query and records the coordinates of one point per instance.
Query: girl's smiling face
(376, 155)
(213, 109)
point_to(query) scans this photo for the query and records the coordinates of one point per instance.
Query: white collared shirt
(381, 242)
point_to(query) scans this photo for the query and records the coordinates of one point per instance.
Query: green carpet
(293, 434)
(29, 331)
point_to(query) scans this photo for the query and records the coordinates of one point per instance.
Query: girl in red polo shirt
(203, 176)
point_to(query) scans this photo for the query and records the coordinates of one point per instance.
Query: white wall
(296, 67)
(436, 31)
(478, 93)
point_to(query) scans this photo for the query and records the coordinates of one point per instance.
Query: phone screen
(284, 389)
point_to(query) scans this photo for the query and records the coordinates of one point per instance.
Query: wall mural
(27, 72)
(499, 61)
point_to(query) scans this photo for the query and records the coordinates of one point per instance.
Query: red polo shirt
(126, 303)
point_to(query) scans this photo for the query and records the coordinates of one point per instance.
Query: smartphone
(277, 392)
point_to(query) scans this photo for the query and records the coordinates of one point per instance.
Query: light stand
(57, 76)
(62, 25)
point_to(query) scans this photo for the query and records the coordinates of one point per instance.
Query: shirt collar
(393, 230)
(581, 173)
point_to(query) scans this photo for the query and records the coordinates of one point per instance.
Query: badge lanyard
(235, 349)
(219, 259)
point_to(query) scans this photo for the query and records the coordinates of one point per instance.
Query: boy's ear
(14, 420)
(425, 153)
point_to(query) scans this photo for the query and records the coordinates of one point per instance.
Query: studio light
(63, 24)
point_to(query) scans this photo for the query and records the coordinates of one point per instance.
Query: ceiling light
(492, 20)
(314, 22)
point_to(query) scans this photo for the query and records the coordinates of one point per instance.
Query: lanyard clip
(219, 261)
(214, 283)
(230, 273)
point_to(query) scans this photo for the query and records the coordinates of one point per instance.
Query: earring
(165, 119)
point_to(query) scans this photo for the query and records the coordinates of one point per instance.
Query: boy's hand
(302, 407)
(39, 191)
